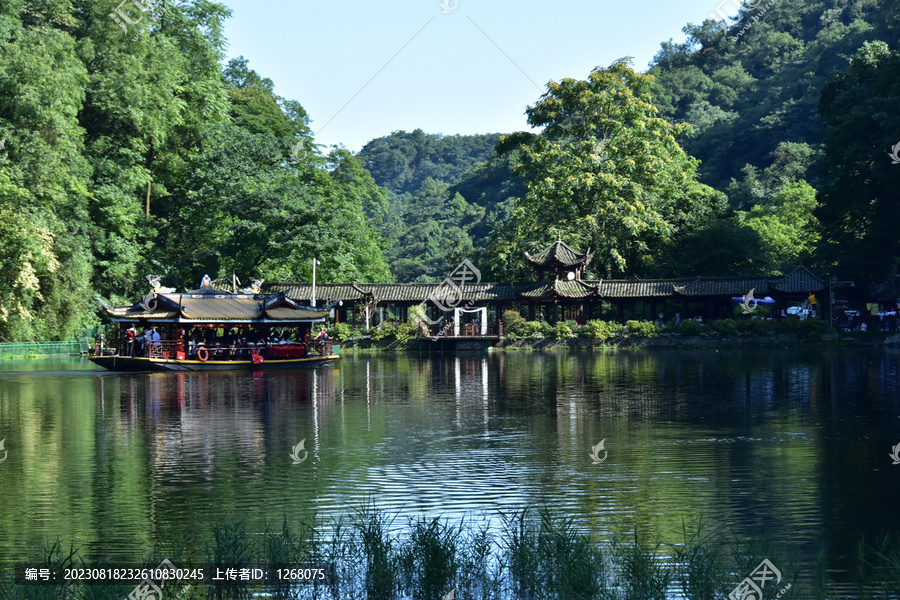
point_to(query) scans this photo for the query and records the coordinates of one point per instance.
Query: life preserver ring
(202, 354)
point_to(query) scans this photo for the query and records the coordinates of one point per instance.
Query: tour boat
(210, 330)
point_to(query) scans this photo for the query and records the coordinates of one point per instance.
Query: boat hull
(143, 364)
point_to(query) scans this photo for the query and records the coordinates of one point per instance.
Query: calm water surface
(793, 444)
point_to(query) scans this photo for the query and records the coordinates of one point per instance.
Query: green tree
(788, 227)
(720, 248)
(403, 161)
(44, 178)
(860, 207)
(606, 173)
(429, 233)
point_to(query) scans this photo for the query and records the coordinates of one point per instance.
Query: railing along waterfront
(33, 349)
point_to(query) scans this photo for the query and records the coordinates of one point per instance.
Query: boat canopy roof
(210, 306)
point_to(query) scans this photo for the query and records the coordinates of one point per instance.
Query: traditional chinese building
(558, 292)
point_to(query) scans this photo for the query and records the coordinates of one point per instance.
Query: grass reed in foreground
(536, 555)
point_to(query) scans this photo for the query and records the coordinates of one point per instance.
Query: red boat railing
(175, 350)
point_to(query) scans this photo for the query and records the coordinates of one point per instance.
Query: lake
(789, 443)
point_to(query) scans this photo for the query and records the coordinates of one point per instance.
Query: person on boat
(193, 341)
(322, 338)
(129, 340)
(155, 336)
(148, 341)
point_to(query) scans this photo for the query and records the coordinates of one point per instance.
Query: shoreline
(872, 339)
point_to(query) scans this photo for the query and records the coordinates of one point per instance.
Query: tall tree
(860, 203)
(606, 173)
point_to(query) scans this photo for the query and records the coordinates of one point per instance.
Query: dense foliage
(860, 200)
(796, 137)
(403, 161)
(447, 195)
(98, 124)
(606, 173)
(129, 149)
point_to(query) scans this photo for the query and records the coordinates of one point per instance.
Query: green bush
(690, 327)
(601, 330)
(513, 322)
(725, 327)
(403, 332)
(641, 328)
(341, 332)
(537, 329)
(759, 311)
(563, 331)
(383, 331)
(789, 325)
(761, 326)
(417, 314)
(810, 329)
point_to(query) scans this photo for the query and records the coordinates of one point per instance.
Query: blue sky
(365, 69)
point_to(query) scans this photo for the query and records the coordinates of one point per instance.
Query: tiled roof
(800, 280)
(224, 309)
(220, 308)
(393, 292)
(722, 286)
(636, 288)
(559, 253)
(556, 288)
(138, 312)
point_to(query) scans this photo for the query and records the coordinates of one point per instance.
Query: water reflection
(792, 443)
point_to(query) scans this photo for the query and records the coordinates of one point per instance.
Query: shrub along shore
(522, 334)
(532, 554)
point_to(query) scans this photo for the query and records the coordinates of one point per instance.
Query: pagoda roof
(559, 254)
(545, 290)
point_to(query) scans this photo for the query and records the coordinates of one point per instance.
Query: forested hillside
(403, 161)
(750, 89)
(136, 149)
(448, 194)
(96, 115)
(752, 92)
(765, 133)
